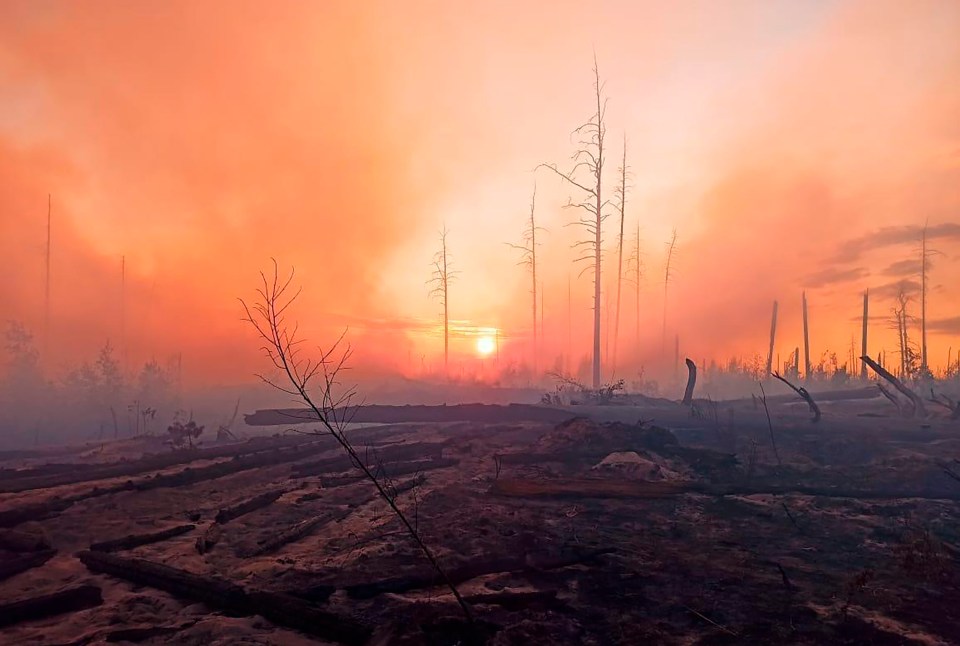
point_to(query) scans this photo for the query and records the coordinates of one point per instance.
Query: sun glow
(486, 346)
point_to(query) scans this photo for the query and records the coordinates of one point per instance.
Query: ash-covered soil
(671, 526)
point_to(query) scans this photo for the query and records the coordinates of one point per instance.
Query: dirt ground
(656, 525)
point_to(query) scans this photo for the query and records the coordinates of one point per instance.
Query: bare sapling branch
(766, 409)
(332, 406)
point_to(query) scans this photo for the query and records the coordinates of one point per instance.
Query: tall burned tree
(773, 337)
(634, 269)
(667, 275)
(620, 193)
(528, 257)
(589, 159)
(863, 334)
(443, 275)
(46, 286)
(806, 339)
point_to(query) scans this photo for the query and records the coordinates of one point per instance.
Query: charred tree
(863, 341)
(590, 157)
(620, 193)
(773, 336)
(918, 406)
(806, 340)
(805, 395)
(443, 275)
(528, 258)
(691, 382)
(667, 275)
(635, 265)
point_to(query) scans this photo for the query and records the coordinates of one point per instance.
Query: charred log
(72, 599)
(136, 540)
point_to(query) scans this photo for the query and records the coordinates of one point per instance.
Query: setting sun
(486, 346)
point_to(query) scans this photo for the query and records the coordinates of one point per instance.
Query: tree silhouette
(589, 158)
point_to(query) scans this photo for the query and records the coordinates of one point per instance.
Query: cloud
(902, 268)
(853, 249)
(890, 291)
(834, 275)
(947, 326)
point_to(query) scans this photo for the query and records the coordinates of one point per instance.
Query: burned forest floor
(627, 525)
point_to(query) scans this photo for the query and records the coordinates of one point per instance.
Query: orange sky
(793, 145)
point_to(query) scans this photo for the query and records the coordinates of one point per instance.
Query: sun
(486, 346)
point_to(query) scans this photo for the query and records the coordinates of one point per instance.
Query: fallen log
(389, 471)
(227, 514)
(137, 635)
(295, 533)
(588, 488)
(805, 395)
(13, 565)
(34, 511)
(918, 407)
(470, 570)
(57, 475)
(372, 457)
(72, 599)
(514, 601)
(15, 540)
(596, 488)
(691, 382)
(281, 609)
(187, 476)
(135, 540)
(484, 413)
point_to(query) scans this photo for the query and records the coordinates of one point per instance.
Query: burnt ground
(672, 526)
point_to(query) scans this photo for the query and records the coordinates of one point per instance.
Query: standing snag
(443, 275)
(620, 193)
(590, 156)
(528, 257)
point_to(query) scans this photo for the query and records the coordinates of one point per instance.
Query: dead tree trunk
(918, 407)
(863, 342)
(806, 340)
(591, 156)
(621, 192)
(691, 382)
(806, 397)
(773, 336)
(227, 514)
(443, 275)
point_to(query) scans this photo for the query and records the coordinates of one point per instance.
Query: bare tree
(926, 253)
(528, 257)
(443, 275)
(634, 273)
(620, 192)
(590, 156)
(902, 320)
(667, 275)
(299, 376)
